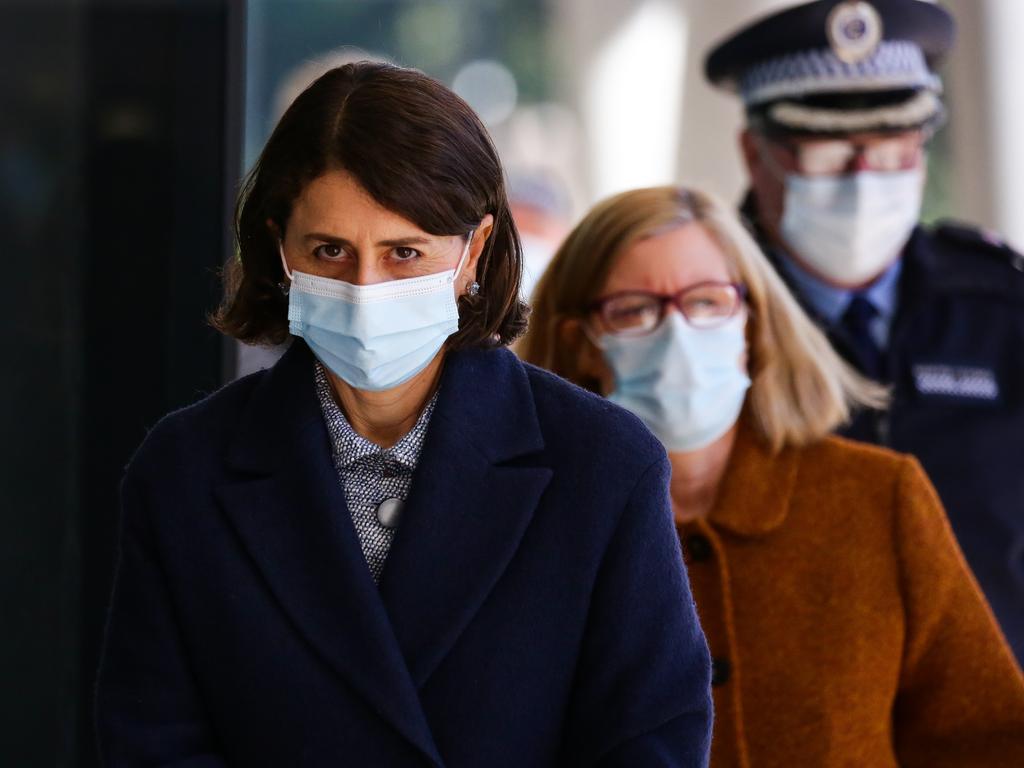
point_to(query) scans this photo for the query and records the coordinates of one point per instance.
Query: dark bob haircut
(419, 151)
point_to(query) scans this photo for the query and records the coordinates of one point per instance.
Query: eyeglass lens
(703, 306)
(835, 156)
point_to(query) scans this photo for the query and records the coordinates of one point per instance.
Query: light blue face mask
(685, 384)
(374, 337)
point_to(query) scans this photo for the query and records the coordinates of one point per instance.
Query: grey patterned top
(370, 474)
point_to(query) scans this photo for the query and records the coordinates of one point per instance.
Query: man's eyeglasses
(636, 313)
(832, 157)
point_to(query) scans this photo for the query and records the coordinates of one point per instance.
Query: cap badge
(854, 30)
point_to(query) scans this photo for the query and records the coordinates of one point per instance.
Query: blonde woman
(845, 627)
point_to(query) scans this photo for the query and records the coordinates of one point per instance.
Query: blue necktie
(856, 322)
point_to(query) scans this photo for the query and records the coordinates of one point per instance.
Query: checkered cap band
(895, 65)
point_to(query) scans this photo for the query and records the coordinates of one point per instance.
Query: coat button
(697, 548)
(721, 671)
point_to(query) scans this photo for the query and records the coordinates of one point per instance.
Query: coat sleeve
(148, 710)
(642, 696)
(961, 695)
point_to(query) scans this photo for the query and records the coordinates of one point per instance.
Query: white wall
(987, 122)
(651, 53)
(712, 119)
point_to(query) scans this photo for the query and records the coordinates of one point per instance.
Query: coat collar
(757, 486)
(462, 523)
(468, 507)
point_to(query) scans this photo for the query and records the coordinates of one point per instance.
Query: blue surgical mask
(686, 384)
(851, 228)
(375, 337)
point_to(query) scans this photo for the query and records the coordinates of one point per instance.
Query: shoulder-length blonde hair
(801, 389)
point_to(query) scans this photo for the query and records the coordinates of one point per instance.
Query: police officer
(841, 98)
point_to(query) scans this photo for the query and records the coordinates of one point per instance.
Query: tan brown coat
(847, 628)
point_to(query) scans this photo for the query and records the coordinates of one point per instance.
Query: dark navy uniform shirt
(955, 361)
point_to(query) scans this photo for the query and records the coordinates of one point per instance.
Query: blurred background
(125, 128)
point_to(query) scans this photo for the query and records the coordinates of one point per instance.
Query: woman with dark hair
(400, 546)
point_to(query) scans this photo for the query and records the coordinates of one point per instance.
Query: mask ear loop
(770, 162)
(465, 254)
(594, 339)
(288, 273)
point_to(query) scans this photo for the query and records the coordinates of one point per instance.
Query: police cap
(838, 66)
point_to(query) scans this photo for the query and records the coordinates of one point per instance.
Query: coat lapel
(469, 505)
(289, 510)
(757, 486)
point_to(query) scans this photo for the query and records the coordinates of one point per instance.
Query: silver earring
(474, 288)
(284, 287)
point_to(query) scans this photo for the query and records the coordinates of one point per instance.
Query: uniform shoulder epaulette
(970, 259)
(965, 236)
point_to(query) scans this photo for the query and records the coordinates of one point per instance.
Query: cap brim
(846, 113)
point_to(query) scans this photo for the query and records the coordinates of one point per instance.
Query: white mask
(686, 384)
(850, 228)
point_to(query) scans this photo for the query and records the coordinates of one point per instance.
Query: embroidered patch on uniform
(956, 381)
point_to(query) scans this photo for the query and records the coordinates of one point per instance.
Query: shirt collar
(830, 302)
(349, 447)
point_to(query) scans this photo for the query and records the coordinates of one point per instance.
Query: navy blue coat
(533, 610)
(955, 361)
